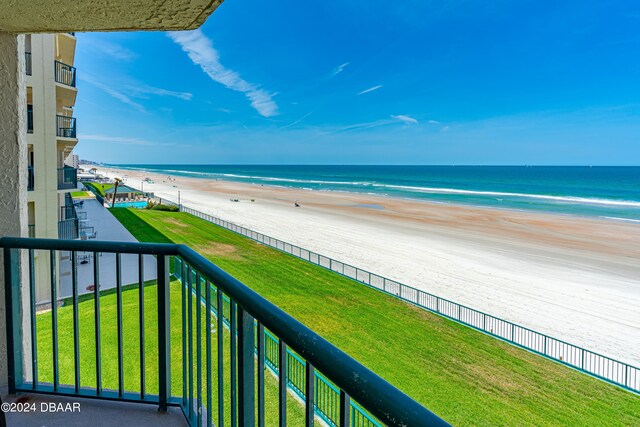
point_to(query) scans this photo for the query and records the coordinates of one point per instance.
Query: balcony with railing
(203, 342)
(29, 118)
(67, 178)
(30, 179)
(65, 126)
(65, 74)
(27, 60)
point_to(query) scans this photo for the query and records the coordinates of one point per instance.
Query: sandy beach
(576, 279)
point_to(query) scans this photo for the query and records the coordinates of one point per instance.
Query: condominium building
(73, 160)
(51, 136)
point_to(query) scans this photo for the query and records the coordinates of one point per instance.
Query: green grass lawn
(100, 188)
(81, 194)
(462, 375)
(131, 349)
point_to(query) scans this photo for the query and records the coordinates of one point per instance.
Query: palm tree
(115, 191)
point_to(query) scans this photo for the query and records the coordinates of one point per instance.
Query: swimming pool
(138, 205)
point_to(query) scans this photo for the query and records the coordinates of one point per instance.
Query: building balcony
(185, 336)
(30, 179)
(68, 229)
(27, 58)
(29, 118)
(65, 127)
(65, 74)
(67, 178)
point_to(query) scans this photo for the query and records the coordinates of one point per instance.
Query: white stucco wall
(13, 163)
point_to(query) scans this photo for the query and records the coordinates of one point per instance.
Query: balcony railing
(30, 179)
(67, 178)
(27, 58)
(65, 74)
(68, 229)
(65, 126)
(226, 330)
(29, 119)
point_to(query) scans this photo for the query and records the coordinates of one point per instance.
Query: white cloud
(406, 119)
(340, 68)
(201, 51)
(433, 122)
(371, 89)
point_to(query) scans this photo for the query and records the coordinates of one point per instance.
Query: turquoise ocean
(603, 191)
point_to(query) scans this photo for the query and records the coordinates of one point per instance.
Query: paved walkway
(107, 227)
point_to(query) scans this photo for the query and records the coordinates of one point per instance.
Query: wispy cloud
(433, 122)
(130, 92)
(143, 90)
(112, 49)
(295, 122)
(371, 89)
(406, 119)
(125, 140)
(120, 96)
(340, 68)
(200, 50)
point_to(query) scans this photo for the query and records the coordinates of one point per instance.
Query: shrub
(167, 208)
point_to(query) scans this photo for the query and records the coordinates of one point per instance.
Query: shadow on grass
(141, 230)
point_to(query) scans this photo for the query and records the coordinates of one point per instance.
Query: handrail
(376, 395)
(65, 126)
(65, 74)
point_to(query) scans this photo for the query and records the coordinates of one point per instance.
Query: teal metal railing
(65, 126)
(65, 74)
(592, 363)
(68, 229)
(28, 67)
(67, 178)
(327, 405)
(30, 179)
(225, 332)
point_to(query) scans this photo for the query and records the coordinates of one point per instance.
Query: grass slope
(99, 188)
(462, 375)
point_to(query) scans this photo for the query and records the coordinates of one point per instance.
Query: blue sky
(369, 82)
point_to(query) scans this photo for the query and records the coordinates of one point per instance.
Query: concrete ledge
(45, 16)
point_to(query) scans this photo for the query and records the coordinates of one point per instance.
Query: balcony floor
(92, 412)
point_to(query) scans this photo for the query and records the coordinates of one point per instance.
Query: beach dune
(573, 278)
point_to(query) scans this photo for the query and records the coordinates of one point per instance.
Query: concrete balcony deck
(92, 412)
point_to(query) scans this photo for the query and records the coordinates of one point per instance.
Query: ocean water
(609, 192)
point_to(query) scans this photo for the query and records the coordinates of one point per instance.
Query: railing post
(246, 376)
(14, 316)
(164, 350)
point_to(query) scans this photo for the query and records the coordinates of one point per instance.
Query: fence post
(164, 336)
(246, 377)
(14, 317)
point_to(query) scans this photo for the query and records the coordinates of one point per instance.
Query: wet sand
(573, 278)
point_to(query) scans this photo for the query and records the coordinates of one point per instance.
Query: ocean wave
(410, 189)
(621, 219)
(567, 199)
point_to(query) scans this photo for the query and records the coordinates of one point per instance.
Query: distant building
(73, 160)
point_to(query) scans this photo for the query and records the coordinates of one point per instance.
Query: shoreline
(549, 272)
(585, 200)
